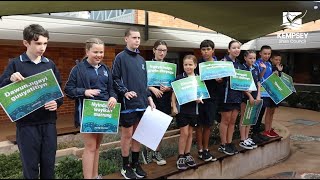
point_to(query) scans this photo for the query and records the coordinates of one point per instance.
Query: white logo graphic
(292, 20)
(105, 73)
(143, 67)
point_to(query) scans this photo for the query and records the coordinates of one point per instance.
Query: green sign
(190, 89)
(160, 73)
(251, 113)
(216, 69)
(276, 88)
(21, 98)
(263, 92)
(288, 81)
(242, 81)
(98, 118)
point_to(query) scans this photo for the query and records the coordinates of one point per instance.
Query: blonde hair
(90, 42)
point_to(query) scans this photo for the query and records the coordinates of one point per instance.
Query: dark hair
(33, 31)
(246, 53)
(207, 43)
(158, 43)
(133, 29)
(190, 56)
(265, 47)
(275, 53)
(233, 41)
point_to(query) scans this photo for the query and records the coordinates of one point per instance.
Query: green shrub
(10, 166)
(69, 168)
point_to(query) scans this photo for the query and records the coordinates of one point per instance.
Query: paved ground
(304, 160)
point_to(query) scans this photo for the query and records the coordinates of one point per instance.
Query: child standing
(130, 82)
(36, 133)
(161, 96)
(207, 110)
(187, 117)
(276, 68)
(265, 70)
(250, 58)
(231, 105)
(91, 79)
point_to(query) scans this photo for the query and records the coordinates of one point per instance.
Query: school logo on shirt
(143, 67)
(105, 73)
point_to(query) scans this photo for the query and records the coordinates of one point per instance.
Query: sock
(125, 161)
(135, 157)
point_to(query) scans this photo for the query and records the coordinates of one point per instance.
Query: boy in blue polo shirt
(265, 70)
(36, 133)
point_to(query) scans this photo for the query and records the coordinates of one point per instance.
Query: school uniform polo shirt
(260, 69)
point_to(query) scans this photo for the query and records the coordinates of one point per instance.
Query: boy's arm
(116, 75)
(5, 77)
(57, 74)
(71, 89)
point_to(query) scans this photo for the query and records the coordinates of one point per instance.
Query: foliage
(10, 166)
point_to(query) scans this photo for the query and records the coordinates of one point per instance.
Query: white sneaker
(156, 157)
(254, 145)
(245, 144)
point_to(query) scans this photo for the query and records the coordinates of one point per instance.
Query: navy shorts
(268, 102)
(225, 107)
(186, 119)
(129, 119)
(207, 113)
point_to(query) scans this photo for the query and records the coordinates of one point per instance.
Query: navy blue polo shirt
(27, 68)
(268, 70)
(98, 79)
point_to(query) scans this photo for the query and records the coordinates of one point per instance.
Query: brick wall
(164, 20)
(63, 57)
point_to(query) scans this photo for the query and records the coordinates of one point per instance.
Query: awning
(243, 21)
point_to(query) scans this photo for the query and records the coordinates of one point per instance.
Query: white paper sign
(152, 127)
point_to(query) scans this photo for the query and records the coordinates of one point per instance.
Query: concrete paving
(304, 160)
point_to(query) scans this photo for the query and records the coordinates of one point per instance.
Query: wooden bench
(60, 132)
(162, 172)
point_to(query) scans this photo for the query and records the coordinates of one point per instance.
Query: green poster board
(160, 73)
(21, 98)
(97, 118)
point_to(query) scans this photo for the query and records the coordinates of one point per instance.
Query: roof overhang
(244, 20)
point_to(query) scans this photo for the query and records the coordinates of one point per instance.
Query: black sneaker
(263, 137)
(234, 149)
(245, 144)
(137, 169)
(206, 156)
(146, 156)
(189, 160)
(128, 173)
(181, 163)
(256, 139)
(226, 149)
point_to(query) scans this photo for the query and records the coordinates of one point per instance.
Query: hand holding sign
(15, 77)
